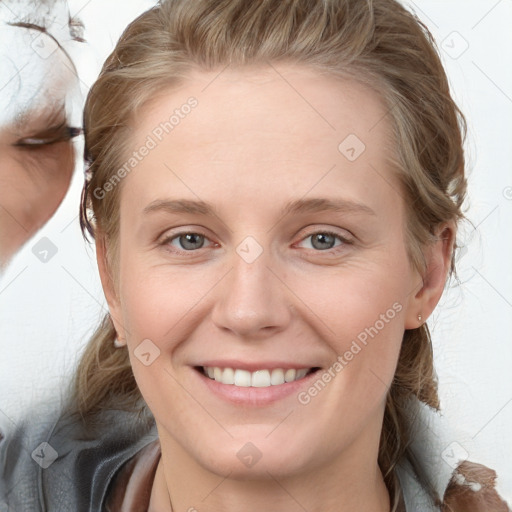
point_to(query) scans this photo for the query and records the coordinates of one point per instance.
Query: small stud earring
(419, 318)
(118, 343)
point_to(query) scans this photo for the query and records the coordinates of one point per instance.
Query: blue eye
(325, 240)
(187, 240)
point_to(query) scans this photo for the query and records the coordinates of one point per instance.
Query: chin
(255, 457)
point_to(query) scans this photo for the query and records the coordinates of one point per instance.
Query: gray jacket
(51, 465)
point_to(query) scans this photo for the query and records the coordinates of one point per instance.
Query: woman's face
(264, 232)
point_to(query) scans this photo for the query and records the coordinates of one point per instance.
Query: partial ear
(438, 258)
(108, 285)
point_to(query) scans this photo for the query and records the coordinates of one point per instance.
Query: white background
(48, 310)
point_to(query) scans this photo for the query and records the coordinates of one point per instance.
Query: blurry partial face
(38, 86)
(264, 284)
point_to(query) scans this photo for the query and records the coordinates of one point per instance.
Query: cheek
(360, 314)
(363, 325)
(159, 312)
(354, 296)
(161, 302)
(35, 183)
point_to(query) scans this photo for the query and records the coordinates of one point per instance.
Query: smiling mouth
(256, 379)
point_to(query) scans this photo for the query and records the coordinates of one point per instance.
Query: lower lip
(255, 396)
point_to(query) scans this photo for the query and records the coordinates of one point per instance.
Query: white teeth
(277, 377)
(242, 378)
(289, 375)
(260, 379)
(257, 379)
(228, 376)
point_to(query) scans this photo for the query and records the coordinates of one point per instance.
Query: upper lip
(253, 366)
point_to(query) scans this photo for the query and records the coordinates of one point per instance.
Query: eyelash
(35, 142)
(170, 238)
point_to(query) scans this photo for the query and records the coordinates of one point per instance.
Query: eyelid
(345, 240)
(348, 237)
(58, 134)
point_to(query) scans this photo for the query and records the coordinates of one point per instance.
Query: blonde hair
(377, 42)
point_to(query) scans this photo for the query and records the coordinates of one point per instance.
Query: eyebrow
(33, 26)
(312, 205)
(44, 30)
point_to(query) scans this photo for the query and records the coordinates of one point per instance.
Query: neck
(343, 485)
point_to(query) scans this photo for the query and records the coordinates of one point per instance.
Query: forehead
(30, 82)
(295, 112)
(37, 75)
(252, 129)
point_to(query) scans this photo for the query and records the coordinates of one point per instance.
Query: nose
(253, 301)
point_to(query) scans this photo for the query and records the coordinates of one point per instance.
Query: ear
(438, 258)
(109, 288)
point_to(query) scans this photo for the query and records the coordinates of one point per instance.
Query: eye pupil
(325, 239)
(190, 241)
